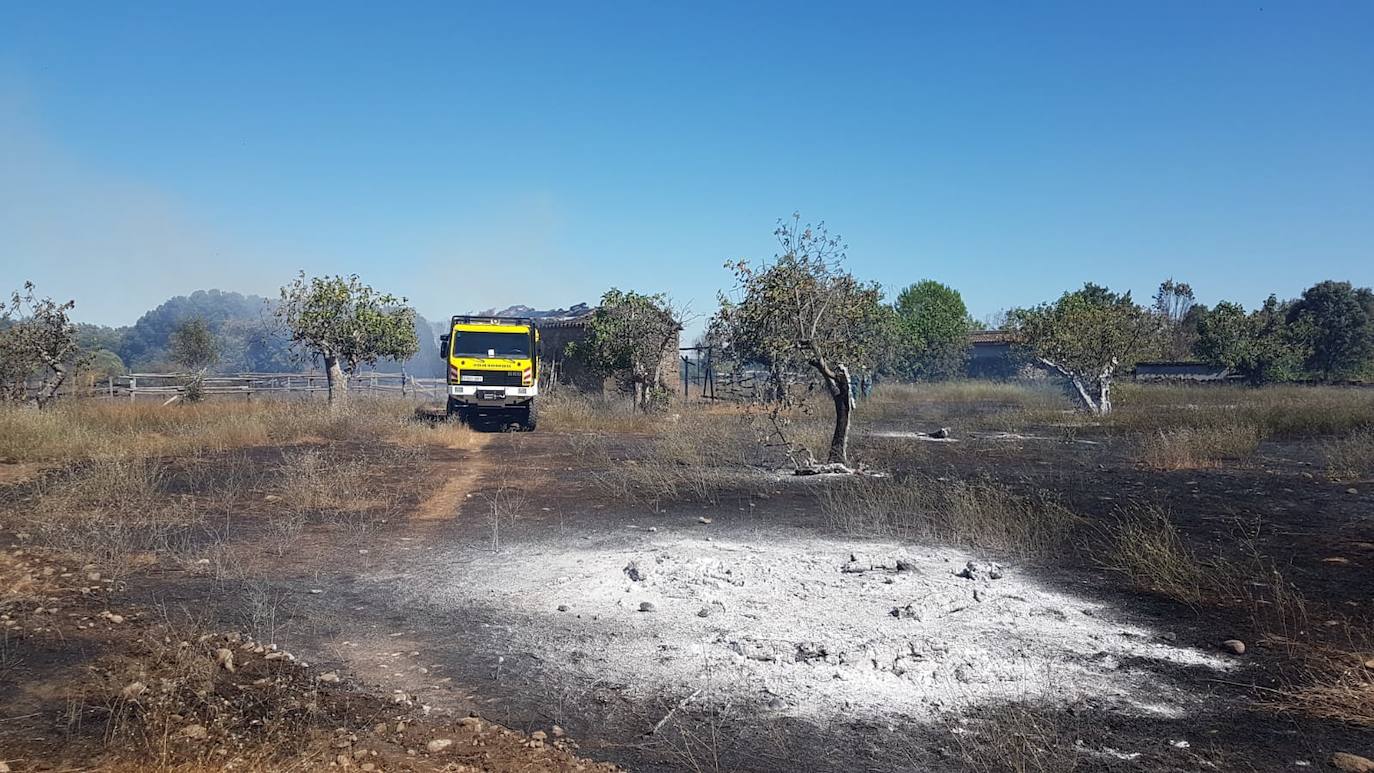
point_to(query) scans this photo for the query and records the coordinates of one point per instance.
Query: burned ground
(502, 575)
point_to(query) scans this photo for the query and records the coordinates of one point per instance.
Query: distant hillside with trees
(246, 333)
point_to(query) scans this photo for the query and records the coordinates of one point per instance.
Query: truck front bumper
(491, 396)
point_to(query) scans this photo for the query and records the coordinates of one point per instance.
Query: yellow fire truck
(492, 369)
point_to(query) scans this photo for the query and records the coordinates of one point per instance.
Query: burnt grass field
(1184, 585)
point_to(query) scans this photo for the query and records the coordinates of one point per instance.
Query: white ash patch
(812, 627)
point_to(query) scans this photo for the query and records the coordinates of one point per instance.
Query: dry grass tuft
(979, 514)
(1350, 457)
(1188, 448)
(1143, 545)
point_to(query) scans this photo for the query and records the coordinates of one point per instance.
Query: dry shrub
(1334, 684)
(1143, 545)
(698, 456)
(1189, 448)
(981, 514)
(108, 511)
(567, 410)
(1023, 738)
(1350, 457)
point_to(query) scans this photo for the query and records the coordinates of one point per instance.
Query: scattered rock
(224, 658)
(539, 735)
(276, 655)
(195, 732)
(646, 606)
(941, 433)
(562, 607)
(1234, 646)
(556, 731)
(112, 617)
(907, 612)
(1352, 763)
(93, 576)
(703, 519)
(1352, 491)
(632, 571)
(969, 572)
(330, 678)
(438, 745)
(905, 566)
(704, 612)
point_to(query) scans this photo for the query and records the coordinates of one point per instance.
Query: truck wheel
(457, 412)
(529, 418)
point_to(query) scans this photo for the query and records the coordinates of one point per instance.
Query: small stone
(632, 571)
(703, 519)
(1352, 763)
(969, 572)
(93, 576)
(704, 612)
(329, 678)
(379, 729)
(538, 735)
(367, 767)
(438, 745)
(277, 655)
(343, 760)
(557, 731)
(1352, 491)
(562, 607)
(1234, 646)
(941, 433)
(224, 658)
(646, 606)
(195, 732)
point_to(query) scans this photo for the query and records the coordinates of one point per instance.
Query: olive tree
(37, 340)
(193, 347)
(1085, 336)
(802, 310)
(629, 336)
(346, 324)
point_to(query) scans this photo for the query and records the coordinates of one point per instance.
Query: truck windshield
(471, 343)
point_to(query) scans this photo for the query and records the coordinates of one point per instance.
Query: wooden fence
(249, 386)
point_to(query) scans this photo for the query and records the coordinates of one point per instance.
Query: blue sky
(475, 155)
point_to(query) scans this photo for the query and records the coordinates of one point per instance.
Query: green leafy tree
(802, 310)
(630, 336)
(1085, 336)
(37, 341)
(1260, 346)
(1337, 322)
(933, 327)
(346, 324)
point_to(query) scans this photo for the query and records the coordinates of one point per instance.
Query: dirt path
(460, 478)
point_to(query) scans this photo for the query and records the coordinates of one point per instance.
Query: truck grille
(489, 378)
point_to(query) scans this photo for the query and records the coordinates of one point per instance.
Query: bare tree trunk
(338, 384)
(837, 381)
(48, 391)
(1100, 405)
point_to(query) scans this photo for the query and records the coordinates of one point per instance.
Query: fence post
(133, 386)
